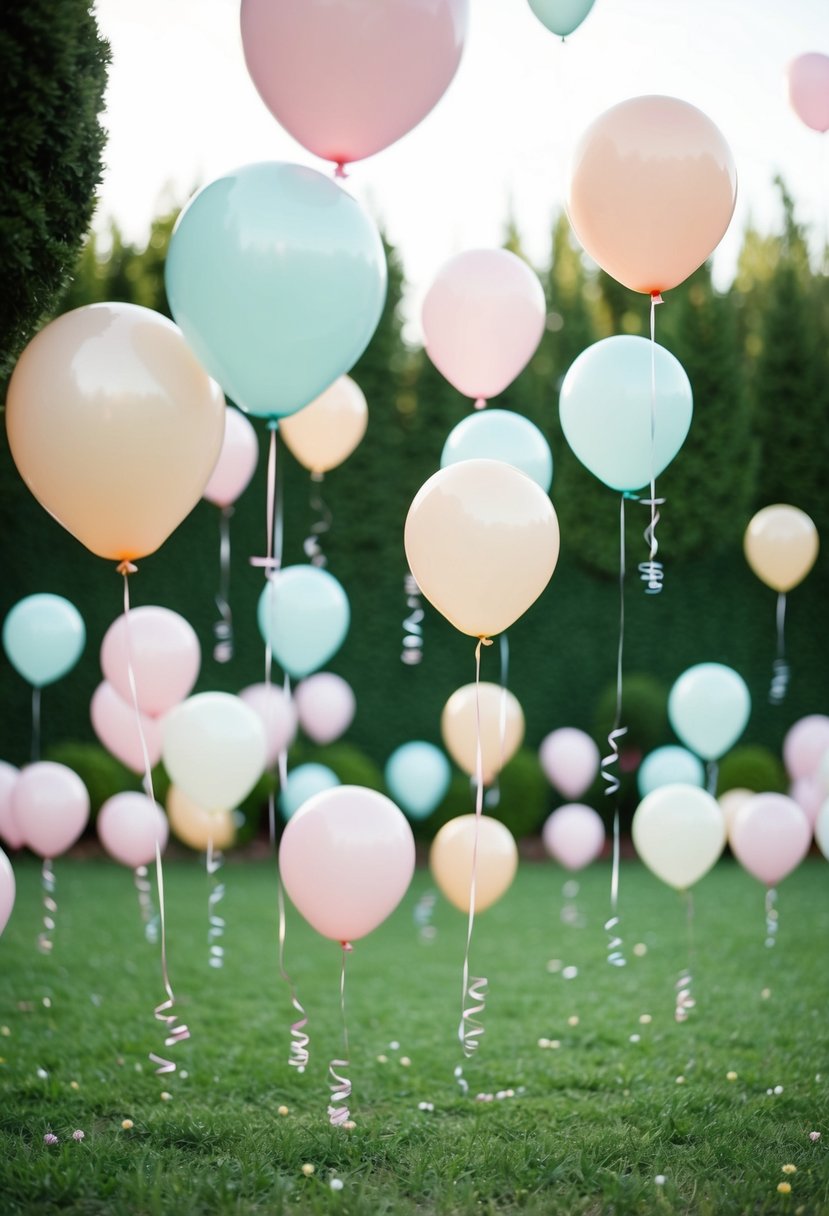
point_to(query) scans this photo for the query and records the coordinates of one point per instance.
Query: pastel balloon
(573, 835)
(325, 433)
(822, 830)
(679, 832)
(730, 803)
(349, 77)
(482, 320)
(561, 16)
(7, 890)
(129, 827)
(114, 426)
(346, 859)
(605, 408)
(809, 794)
(652, 191)
(278, 714)
(459, 728)
(9, 831)
(570, 760)
(418, 776)
(237, 461)
(808, 78)
(303, 782)
(770, 836)
(669, 765)
(501, 435)
(116, 727)
(781, 546)
(277, 278)
(304, 614)
(709, 707)
(805, 745)
(165, 655)
(450, 860)
(482, 542)
(213, 747)
(50, 804)
(196, 827)
(43, 637)
(326, 706)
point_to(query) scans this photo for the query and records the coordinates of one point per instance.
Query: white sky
(182, 110)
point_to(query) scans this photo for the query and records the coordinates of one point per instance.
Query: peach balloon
(237, 461)
(781, 546)
(459, 727)
(450, 860)
(483, 318)
(197, 827)
(652, 191)
(808, 77)
(482, 542)
(114, 426)
(326, 432)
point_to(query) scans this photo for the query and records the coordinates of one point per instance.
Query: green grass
(591, 1125)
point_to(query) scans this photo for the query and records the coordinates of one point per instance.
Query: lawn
(626, 1112)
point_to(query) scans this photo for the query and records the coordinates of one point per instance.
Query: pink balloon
(237, 460)
(482, 319)
(770, 836)
(346, 858)
(129, 825)
(165, 656)
(573, 835)
(114, 722)
(809, 795)
(570, 760)
(325, 704)
(809, 89)
(278, 715)
(349, 77)
(7, 890)
(805, 745)
(9, 830)
(51, 807)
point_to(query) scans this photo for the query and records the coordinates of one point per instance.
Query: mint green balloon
(302, 783)
(669, 765)
(605, 410)
(561, 16)
(304, 614)
(277, 278)
(43, 636)
(501, 435)
(709, 707)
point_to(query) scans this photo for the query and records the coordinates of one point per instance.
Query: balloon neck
(480, 403)
(339, 169)
(347, 947)
(273, 424)
(126, 567)
(317, 477)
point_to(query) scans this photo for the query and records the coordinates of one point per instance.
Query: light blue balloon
(501, 435)
(561, 16)
(669, 765)
(302, 783)
(417, 775)
(277, 278)
(304, 614)
(43, 636)
(605, 410)
(709, 707)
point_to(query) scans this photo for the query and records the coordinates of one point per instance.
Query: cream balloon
(679, 832)
(459, 727)
(781, 546)
(114, 426)
(482, 542)
(195, 826)
(214, 749)
(450, 860)
(326, 432)
(730, 803)
(7, 890)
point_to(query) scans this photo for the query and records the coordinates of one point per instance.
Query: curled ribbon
(223, 628)
(216, 924)
(684, 1000)
(615, 954)
(413, 624)
(423, 911)
(780, 669)
(45, 941)
(651, 571)
(339, 1084)
(299, 1054)
(322, 524)
(145, 904)
(771, 917)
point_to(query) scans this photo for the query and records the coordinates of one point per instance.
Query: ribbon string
(781, 671)
(493, 795)
(45, 940)
(412, 653)
(609, 771)
(321, 523)
(684, 1000)
(651, 571)
(422, 915)
(36, 691)
(771, 917)
(615, 952)
(145, 904)
(223, 628)
(164, 1012)
(340, 1085)
(215, 923)
(712, 776)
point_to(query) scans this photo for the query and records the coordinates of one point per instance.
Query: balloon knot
(656, 297)
(339, 169)
(126, 567)
(347, 947)
(480, 403)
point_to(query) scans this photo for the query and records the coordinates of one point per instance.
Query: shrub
(102, 774)
(752, 768)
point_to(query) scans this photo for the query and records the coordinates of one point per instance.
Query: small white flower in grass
(336, 1184)
(640, 949)
(425, 1106)
(308, 1169)
(645, 1019)
(47, 1004)
(405, 1062)
(789, 1169)
(778, 1089)
(660, 1179)
(349, 1125)
(394, 1045)
(569, 973)
(543, 1043)
(77, 1135)
(814, 1137)
(42, 1073)
(555, 1044)
(282, 1110)
(5, 1031)
(635, 1038)
(382, 1059)
(680, 1080)
(554, 965)
(74, 1085)
(50, 1138)
(165, 1097)
(183, 1074)
(573, 1021)
(731, 1076)
(127, 1124)
(765, 994)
